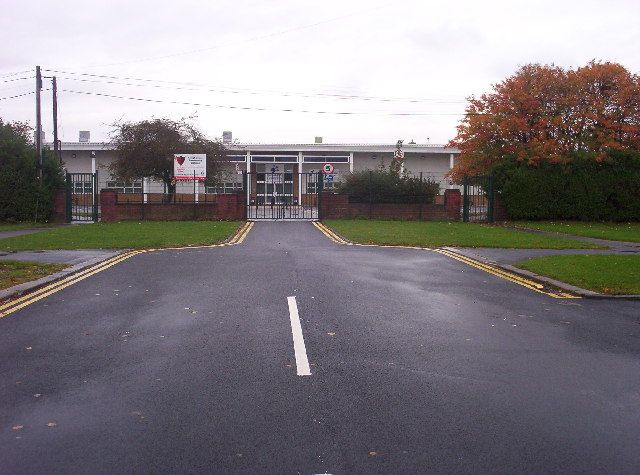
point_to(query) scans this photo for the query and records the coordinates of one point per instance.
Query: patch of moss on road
(605, 273)
(126, 235)
(18, 272)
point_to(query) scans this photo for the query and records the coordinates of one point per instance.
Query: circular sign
(327, 168)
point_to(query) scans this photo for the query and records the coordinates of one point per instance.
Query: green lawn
(614, 231)
(18, 226)
(126, 235)
(17, 272)
(437, 234)
(609, 274)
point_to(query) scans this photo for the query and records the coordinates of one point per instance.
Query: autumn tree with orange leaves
(544, 113)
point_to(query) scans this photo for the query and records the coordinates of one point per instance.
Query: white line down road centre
(302, 363)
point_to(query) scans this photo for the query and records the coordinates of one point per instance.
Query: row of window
(291, 158)
(85, 187)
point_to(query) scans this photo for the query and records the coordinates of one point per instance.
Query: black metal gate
(82, 197)
(283, 196)
(477, 199)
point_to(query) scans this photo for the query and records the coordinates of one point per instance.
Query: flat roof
(292, 147)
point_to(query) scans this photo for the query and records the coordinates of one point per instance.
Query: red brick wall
(225, 207)
(335, 206)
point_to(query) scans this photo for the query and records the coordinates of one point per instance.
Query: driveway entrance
(284, 195)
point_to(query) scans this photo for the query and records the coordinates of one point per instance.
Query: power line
(227, 90)
(247, 40)
(17, 79)
(15, 74)
(17, 95)
(261, 109)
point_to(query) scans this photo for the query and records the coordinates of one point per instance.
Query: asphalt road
(183, 361)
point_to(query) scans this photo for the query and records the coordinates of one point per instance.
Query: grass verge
(614, 231)
(17, 272)
(604, 273)
(437, 234)
(126, 235)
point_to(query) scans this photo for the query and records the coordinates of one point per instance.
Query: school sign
(190, 166)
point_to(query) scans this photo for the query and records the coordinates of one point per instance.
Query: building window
(224, 188)
(237, 158)
(274, 158)
(312, 185)
(125, 186)
(82, 187)
(325, 158)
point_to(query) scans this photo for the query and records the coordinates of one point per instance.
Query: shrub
(386, 186)
(21, 198)
(581, 189)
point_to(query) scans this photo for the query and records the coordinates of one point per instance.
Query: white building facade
(426, 160)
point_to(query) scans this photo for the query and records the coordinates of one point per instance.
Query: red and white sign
(190, 166)
(327, 168)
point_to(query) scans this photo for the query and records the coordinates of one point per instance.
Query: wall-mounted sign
(327, 168)
(190, 166)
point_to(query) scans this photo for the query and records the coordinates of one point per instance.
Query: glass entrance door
(275, 186)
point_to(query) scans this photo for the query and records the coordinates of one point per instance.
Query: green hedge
(21, 197)
(583, 189)
(385, 186)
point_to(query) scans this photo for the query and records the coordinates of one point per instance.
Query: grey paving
(183, 362)
(616, 246)
(69, 257)
(75, 260)
(21, 232)
(512, 256)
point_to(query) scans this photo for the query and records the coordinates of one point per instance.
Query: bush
(382, 186)
(21, 198)
(582, 189)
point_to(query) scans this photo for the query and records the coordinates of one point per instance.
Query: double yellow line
(503, 274)
(21, 302)
(329, 233)
(493, 270)
(57, 286)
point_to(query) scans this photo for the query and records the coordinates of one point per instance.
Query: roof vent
(227, 137)
(318, 140)
(84, 136)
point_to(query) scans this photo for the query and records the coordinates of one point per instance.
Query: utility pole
(38, 123)
(56, 144)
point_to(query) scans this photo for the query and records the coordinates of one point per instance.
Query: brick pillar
(499, 209)
(108, 206)
(59, 207)
(230, 207)
(333, 206)
(452, 201)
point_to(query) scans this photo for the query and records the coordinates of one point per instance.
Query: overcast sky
(372, 59)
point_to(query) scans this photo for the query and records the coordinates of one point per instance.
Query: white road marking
(302, 363)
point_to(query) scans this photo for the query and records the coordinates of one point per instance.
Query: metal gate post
(490, 204)
(68, 198)
(320, 211)
(465, 200)
(95, 197)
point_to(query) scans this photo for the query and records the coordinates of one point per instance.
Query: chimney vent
(318, 140)
(84, 136)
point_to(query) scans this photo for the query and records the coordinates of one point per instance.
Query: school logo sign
(190, 166)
